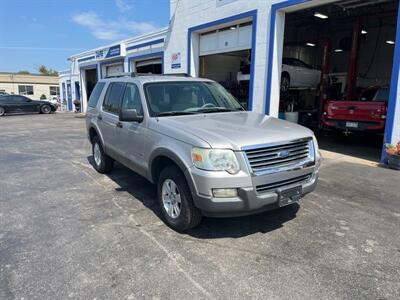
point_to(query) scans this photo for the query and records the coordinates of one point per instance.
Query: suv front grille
(263, 159)
(276, 185)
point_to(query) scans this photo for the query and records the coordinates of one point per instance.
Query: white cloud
(123, 6)
(111, 30)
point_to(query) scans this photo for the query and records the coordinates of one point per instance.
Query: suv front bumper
(249, 200)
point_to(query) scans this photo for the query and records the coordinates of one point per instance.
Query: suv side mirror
(130, 115)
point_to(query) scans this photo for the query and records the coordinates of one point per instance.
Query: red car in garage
(367, 114)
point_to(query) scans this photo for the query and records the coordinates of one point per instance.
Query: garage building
(281, 58)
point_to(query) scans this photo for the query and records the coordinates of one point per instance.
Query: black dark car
(18, 104)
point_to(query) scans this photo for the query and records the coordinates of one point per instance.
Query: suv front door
(130, 135)
(108, 118)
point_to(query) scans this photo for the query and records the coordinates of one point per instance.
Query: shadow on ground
(362, 146)
(210, 228)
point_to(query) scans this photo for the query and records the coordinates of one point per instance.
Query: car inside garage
(336, 72)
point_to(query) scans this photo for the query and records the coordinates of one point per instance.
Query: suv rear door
(108, 117)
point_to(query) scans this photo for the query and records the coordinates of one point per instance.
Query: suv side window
(113, 97)
(131, 99)
(95, 96)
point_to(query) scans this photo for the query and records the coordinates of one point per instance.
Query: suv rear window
(113, 97)
(95, 96)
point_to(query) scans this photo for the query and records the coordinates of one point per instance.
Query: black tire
(106, 163)
(2, 111)
(190, 216)
(285, 82)
(45, 109)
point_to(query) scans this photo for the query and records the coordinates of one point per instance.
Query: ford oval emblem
(283, 153)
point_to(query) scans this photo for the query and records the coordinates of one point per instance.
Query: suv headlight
(215, 160)
(316, 149)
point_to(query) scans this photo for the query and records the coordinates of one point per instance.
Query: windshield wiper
(216, 109)
(174, 113)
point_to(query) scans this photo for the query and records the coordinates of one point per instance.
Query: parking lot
(68, 232)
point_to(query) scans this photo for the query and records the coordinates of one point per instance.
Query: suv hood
(234, 130)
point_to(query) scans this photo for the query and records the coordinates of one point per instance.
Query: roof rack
(135, 74)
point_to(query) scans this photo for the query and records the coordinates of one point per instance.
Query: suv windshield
(188, 97)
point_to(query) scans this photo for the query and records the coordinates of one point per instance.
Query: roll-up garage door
(232, 38)
(114, 70)
(148, 62)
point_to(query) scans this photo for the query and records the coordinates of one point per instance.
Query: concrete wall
(38, 89)
(221, 67)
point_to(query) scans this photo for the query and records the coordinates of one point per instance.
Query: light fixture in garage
(364, 31)
(233, 27)
(321, 16)
(338, 50)
(390, 42)
(310, 44)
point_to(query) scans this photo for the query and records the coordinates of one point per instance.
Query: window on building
(54, 91)
(25, 89)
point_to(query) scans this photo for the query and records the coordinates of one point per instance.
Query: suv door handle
(99, 117)
(119, 125)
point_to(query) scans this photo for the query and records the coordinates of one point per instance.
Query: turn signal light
(224, 193)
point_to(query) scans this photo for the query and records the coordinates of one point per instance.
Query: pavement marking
(165, 250)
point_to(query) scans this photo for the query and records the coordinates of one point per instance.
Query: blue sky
(35, 32)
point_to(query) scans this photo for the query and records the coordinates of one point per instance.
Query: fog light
(224, 193)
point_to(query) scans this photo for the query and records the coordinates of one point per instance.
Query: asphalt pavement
(67, 232)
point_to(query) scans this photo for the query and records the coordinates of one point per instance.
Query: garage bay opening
(225, 56)
(91, 80)
(336, 72)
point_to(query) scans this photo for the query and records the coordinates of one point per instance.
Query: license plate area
(352, 124)
(289, 196)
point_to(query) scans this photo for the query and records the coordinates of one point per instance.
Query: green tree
(24, 72)
(43, 97)
(46, 71)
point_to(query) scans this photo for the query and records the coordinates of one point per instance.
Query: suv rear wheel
(102, 162)
(176, 200)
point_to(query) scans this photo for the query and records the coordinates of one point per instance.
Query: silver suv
(206, 155)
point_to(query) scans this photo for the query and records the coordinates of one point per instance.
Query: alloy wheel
(97, 154)
(171, 198)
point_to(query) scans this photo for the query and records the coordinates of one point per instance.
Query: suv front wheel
(102, 162)
(176, 200)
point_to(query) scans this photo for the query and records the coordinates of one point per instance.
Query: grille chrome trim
(278, 157)
(264, 188)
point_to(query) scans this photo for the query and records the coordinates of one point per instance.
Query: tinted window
(20, 99)
(131, 99)
(382, 95)
(113, 97)
(94, 97)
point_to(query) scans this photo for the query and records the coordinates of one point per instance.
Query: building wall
(9, 82)
(187, 14)
(268, 46)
